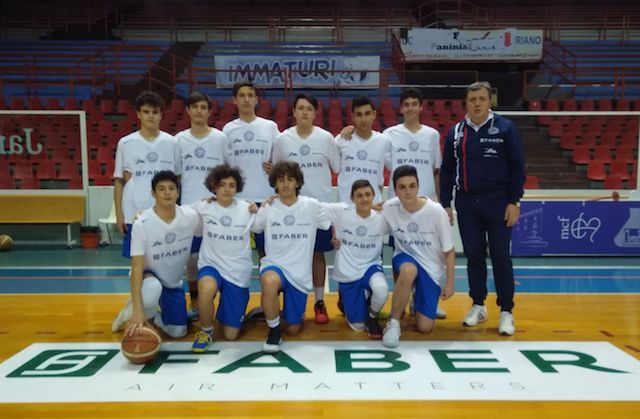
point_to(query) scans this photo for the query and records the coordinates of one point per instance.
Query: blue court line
(529, 279)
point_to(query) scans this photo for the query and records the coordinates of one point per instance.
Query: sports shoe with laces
(373, 328)
(122, 317)
(274, 340)
(441, 313)
(391, 334)
(202, 342)
(506, 326)
(476, 315)
(321, 312)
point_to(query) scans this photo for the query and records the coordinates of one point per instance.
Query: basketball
(143, 347)
(6, 242)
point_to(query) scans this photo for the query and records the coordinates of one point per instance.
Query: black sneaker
(321, 313)
(373, 328)
(274, 340)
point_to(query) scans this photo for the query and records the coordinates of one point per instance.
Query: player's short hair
(402, 171)
(147, 97)
(361, 101)
(288, 168)
(165, 175)
(479, 85)
(410, 92)
(361, 183)
(223, 171)
(312, 100)
(196, 97)
(243, 83)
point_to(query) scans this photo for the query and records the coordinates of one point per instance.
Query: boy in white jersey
(160, 246)
(358, 263)
(289, 223)
(423, 257)
(249, 145)
(201, 149)
(139, 156)
(364, 155)
(225, 256)
(315, 151)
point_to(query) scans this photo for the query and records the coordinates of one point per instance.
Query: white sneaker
(123, 317)
(391, 334)
(506, 326)
(476, 315)
(441, 313)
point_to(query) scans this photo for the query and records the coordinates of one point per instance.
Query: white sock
(273, 323)
(208, 330)
(318, 292)
(379, 291)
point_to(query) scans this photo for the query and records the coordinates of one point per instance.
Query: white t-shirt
(317, 155)
(165, 247)
(289, 237)
(420, 150)
(143, 159)
(226, 242)
(248, 146)
(360, 241)
(362, 159)
(425, 235)
(197, 157)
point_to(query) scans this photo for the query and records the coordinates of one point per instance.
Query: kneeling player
(424, 257)
(358, 264)
(224, 262)
(289, 223)
(160, 247)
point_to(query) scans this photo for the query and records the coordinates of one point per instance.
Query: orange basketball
(143, 347)
(5, 243)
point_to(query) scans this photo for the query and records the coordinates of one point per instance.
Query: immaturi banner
(476, 45)
(577, 227)
(304, 70)
(235, 371)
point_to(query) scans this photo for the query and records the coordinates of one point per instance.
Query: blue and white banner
(577, 228)
(477, 45)
(304, 70)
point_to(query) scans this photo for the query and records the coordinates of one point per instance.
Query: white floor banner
(98, 372)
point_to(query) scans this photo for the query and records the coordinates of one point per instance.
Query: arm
(137, 319)
(118, 186)
(450, 261)
(447, 173)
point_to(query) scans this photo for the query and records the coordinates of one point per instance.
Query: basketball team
(252, 186)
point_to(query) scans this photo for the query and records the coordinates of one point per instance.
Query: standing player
(139, 156)
(484, 162)
(315, 151)
(358, 263)
(417, 145)
(249, 145)
(201, 148)
(160, 246)
(225, 256)
(289, 223)
(423, 257)
(364, 155)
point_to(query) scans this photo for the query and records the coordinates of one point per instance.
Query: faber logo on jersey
(225, 220)
(412, 227)
(156, 244)
(361, 231)
(199, 152)
(347, 231)
(292, 154)
(289, 220)
(248, 136)
(305, 150)
(212, 222)
(361, 154)
(152, 157)
(170, 238)
(312, 370)
(414, 146)
(400, 150)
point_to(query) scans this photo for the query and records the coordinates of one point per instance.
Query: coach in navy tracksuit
(483, 160)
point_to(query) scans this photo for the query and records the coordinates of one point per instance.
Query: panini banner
(321, 71)
(473, 45)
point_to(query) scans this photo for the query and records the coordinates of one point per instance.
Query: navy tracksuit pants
(481, 221)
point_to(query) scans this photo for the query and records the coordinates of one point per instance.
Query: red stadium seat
(123, 106)
(552, 105)
(603, 154)
(106, 105)
(586, 105)
(4, 168)
(570, 105)
(104, 180)
(17, 104)
(105, 154)
(45, 170)
(568, 141)
(581, 155)
(75, 182)
(7, 182)
(625, 154)
(532, 182)
(535, 105)
(604, 105)
(620, 169)
(68, 170)
(35, 104)
(53, 104)
(613, 182)
(71, 104)
(23, 169)
(596, 171)
(623, 105)
(29, 183)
